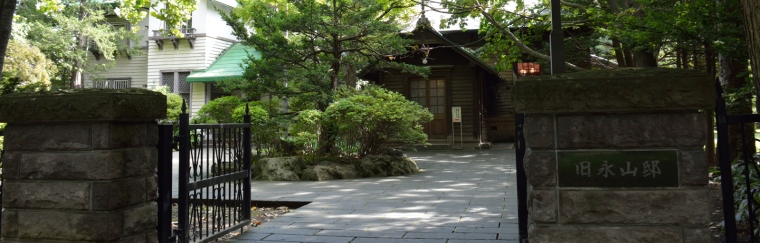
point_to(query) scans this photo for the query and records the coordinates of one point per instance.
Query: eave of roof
(482, 64)
(424, 25)
(228, 65)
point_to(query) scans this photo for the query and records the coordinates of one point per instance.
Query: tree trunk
(619, 56)
(683, 55)
(7, 9)
(326, 140)
(628, 57)
(697, 65)
(75, 80)
(710, 147)
(730, 68)
(678, 58)
(710, 59)
(751, 12)
(645, 58)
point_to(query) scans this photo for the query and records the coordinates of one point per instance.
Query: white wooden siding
(197, 97)
(169, 59)
(215, 47)
(136, 69)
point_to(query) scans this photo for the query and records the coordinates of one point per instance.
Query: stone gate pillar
(617, 155)
(80, 166)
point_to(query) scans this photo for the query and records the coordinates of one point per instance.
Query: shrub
(218, 110)
(740, 190)
(305, 130)
(264, 129)
(375, 119)
(739, 177)
(173, 105)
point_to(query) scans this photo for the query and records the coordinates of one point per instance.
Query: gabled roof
(228, 65)
(424, 27)
(423, 24)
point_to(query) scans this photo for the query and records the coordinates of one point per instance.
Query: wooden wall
(461, 83)
(500, 110)
(488, 120)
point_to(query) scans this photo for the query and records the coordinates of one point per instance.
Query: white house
(169, 60)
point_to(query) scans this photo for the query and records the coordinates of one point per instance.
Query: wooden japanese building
(457, 79)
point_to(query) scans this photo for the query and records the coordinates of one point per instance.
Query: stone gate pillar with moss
(80, 166)
(617, 156)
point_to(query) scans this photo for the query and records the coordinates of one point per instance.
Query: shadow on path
(461, 196)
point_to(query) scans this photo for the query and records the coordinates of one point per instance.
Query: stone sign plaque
(652, 168)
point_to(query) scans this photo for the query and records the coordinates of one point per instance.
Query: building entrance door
(431, 94)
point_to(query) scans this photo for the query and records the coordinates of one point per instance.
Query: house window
(124, 26)
(112, 83)
(177, 83)
(184, 28)
(528, 69)
(213, 92)
(429, 94)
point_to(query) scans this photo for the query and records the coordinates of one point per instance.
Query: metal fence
(743, 169)
(214, 185)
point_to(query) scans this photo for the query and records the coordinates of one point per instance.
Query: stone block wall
(80, 167)
(599, 113)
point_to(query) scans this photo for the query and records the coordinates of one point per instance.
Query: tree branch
(574, 5)
(522, 45)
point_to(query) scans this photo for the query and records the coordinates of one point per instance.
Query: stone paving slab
(460, 196)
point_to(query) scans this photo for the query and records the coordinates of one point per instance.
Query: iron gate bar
(2, 151)
(220, 125)
(522, 180)
(748, 158)
(205, 183)
(215, 176)
(164, 173)
(247, 164)
(215, 236)
(746, 118)
(726, 180)
(184, 176)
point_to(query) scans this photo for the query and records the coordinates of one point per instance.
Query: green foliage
(305, 130)
(174, 13)
(375, 119)
(309, 48)
(26, 69)
(219, 110)
(738, 99)
(67, 31)
(310, 44)
(264, 128)
(173, 105)
(739, 177)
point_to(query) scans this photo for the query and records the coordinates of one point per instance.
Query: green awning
(226, 66)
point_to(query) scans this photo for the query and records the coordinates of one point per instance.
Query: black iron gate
(1, 180)
(522, 181)
(214, 184)
(746, 163)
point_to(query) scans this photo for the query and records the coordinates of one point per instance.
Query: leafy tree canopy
(68, 31)
(172, 12)
(26, 68)
(309, 47)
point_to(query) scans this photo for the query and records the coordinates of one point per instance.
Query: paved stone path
(462, 196)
